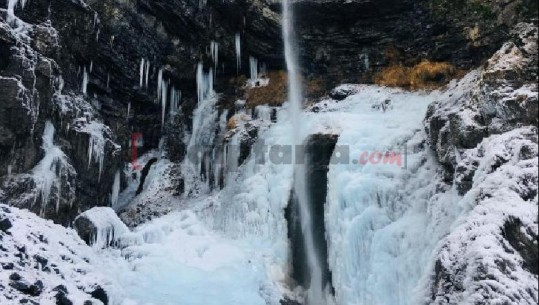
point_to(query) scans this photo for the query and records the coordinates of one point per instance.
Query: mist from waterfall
(315, 293)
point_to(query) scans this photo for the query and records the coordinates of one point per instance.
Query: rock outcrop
(486, 138)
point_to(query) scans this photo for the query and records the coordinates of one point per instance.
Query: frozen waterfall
(315, 293)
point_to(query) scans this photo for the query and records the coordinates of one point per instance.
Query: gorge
(252, 152)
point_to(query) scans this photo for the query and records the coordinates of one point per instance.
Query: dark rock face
(318, 152)
(349, 39)
(108, 40)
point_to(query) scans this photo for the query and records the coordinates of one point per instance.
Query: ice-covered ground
(231, 247)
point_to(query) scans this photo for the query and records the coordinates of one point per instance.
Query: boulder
(100, 227)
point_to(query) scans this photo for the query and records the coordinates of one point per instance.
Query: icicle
(141, 73)
(96, 145)
(84, 81)
(115, 190)
(209, 89)
(128, 110)
(238, 52)
(214, 49)
(164, 95)
(97, 35)
(175, 96)
(253, 67)
(159, 84)
(91, 66)
(147, 72)
(366, 62)
(263, 69)
(108, 80)
(200, 82)
(95, 19)
(60, 84)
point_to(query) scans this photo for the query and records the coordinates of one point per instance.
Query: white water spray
(315, 293)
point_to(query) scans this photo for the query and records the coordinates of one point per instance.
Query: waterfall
(315, 293)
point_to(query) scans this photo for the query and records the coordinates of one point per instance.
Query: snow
(177, 260)
(475, 249)
(41, 250)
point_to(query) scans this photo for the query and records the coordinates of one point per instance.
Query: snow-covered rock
(490, 257)
(495, 99)
(43, 263)
(100, 227)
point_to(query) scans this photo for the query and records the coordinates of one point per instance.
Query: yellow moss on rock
(425, 75)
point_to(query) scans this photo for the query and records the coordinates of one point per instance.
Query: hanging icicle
(238, 52)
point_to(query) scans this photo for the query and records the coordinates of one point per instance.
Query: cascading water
(315, 293)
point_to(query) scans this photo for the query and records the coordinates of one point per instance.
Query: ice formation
(144, 72)
(115, 190)
(253, 68)
(11, 4)
(204, 83)
(159, 84)
(84, 86)
(214, 50)
(175, 100)
(51, 171)
(237, 43)
(164, 97)
(141, 72)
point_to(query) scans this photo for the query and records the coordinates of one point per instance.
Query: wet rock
(319, 149)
